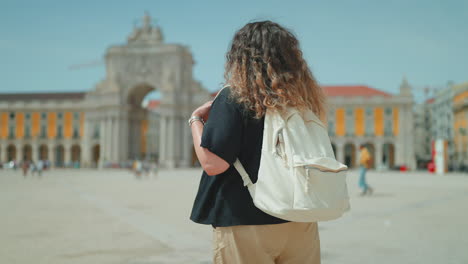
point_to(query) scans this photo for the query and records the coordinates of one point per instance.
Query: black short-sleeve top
(231, 132)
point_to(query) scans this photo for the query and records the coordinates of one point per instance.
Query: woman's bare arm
(212, 164)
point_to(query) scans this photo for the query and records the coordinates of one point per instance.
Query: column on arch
(187, 145)
(139, 134)
(85, 140)
(115, 139)
(102, 142)
(178, 140)
(130, 137)
(162, 139)
(108, 139)
(135, 137)
(123, 138)
(170, 148)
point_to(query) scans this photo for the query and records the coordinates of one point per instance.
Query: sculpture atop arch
(147, 33)
(133, 70)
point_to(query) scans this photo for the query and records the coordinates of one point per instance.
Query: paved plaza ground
(108, 216)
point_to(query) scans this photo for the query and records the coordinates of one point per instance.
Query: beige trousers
(288, 243)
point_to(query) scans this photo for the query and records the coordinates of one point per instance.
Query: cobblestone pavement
(109, 216)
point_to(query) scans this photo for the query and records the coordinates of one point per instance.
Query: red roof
(353, 90)
(41, 96)
(430, 100)
(153, 104)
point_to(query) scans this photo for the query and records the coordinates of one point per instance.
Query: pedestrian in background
(365, 161)
(153, 170)
(137, 168)
(25, 166)
(39, 167)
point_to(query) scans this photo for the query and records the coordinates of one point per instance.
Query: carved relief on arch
(143, 66)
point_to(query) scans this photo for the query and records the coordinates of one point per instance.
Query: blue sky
(345, 42)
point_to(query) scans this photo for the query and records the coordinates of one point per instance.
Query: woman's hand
(203, 111)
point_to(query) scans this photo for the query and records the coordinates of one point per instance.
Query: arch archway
(140, 121)
(95, 154)
(43, 152)
(371, 148)
(11, 152)
(388, 155)
(133, 71)
(27, 152)
(75, 153)
(350, 155)
(59, 156)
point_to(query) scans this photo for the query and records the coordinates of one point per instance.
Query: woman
(264, 70)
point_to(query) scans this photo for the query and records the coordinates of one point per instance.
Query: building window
(76, 133)
(96, 132)
(27, 132)
(349, 122)
(388, 128)
(59, 131)
(369, 127)
(349, 128)
(12, 115)
(44, 116)
(388, 111)
(11, 132)
(59, 115)
(76, 116)
(369, 122)
(43, 131)
(28, 116)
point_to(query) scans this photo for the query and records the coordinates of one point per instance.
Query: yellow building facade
(45, 134)
(460, 124)
(364, 116)
(46, 126)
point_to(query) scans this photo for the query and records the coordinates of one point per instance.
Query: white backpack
(299, 178)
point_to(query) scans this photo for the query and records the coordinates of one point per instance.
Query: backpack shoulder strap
(245, 176)
(225, 86)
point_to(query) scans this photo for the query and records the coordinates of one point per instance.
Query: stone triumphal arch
(117, 126)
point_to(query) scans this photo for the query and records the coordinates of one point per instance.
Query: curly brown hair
(266, 70)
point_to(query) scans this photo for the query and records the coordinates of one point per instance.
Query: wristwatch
(195, 118)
